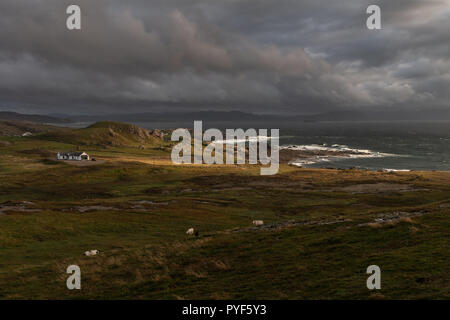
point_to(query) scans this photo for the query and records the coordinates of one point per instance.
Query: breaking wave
(325, 153)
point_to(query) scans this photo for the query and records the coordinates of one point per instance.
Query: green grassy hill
(322, 228)
(107, 134)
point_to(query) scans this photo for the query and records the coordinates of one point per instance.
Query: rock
(157, 133)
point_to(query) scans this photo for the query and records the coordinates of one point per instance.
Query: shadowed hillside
(108, 133)
(18, 128)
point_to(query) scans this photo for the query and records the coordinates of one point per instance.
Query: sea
(389, 145)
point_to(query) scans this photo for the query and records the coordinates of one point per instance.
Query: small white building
(79, 156)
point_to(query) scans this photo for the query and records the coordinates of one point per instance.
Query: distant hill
(357, 114)
(177, 116)
(108, 133)
(382, 115)
(362, 114)
(19, 128)
(14, 116)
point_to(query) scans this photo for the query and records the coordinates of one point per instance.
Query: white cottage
(72, 156)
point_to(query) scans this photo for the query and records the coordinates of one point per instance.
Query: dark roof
(76, 154)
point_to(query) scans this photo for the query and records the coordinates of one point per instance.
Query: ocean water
(390, 145)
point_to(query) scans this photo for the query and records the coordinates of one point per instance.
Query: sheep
(190, 231)
(91, 253)
(258, 222)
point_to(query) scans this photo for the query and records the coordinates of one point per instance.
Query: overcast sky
(264, 56)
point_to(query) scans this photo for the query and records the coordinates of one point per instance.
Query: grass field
(322, 228)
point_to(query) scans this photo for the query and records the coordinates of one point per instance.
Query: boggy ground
(322, 229)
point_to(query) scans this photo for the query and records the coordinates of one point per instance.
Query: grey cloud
(294, 56)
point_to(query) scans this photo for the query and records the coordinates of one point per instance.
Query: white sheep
(190, 231)
(91, 253)
(258, 222)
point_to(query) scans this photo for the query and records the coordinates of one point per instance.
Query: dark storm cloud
(258, 55)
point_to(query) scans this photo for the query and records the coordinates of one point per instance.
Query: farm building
(72, 156)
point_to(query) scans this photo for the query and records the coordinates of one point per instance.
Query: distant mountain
(176, 116)
(380, 114)
(14, 116)
(383, 115)
(342, 115)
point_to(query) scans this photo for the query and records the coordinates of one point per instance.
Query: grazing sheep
(190, 231)
(91, 253)
(258, 222)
